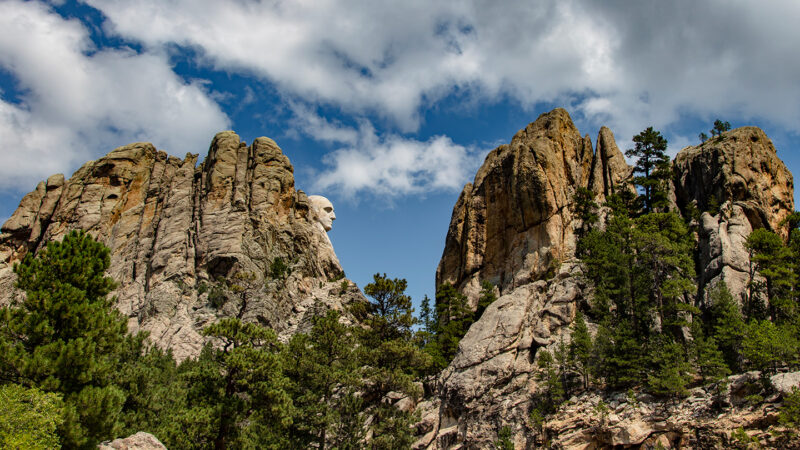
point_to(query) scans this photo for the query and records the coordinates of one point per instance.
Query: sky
(386, 108)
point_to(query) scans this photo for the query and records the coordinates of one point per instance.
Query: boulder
(138, 441)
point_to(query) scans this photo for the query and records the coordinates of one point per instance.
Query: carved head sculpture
(323, 210)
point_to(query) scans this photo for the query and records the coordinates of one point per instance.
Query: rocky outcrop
(514, 228)
(738, 184)
(179, 232)
(512, 225)
(138, 441)
(707, 418)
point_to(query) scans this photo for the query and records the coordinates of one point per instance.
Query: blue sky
(386, 108)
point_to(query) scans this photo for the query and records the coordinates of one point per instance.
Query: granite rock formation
(180, 232)
(738, 184)
(513, 224)
(513, 227)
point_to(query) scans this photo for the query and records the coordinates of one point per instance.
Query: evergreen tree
(789, 415)
(670, 371)
(550, 375)
(664, 267)
(485, 298)
(391, 359)
(504, 441)
(708, 359)
(453, 318)
(427, 318)
(66, 337)
(585, 208)
(155, 393)
(237, 391)
(720, 127)
(652, 165)
(703, 137)
(774, 261)
(325, 377)
(726, 325)
(580, 348)
(766, 346)
(623, 357)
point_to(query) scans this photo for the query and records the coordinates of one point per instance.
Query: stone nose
(333, 215)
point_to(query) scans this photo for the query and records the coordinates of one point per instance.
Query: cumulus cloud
(386, 166)
(623, 62)
(76, 102)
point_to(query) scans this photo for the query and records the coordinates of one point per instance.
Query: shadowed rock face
(741, 171)
(174, 228)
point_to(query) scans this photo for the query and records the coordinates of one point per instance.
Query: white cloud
(385, 166)
(628, 62)
(78, 102)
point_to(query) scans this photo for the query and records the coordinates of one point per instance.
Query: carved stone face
(323, 209)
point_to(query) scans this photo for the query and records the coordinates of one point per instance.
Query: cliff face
(513, 223)
(177, 229)
(739, 184)
(513, 227)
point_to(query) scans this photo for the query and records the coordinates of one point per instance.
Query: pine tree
(708, 359)
(585, 208)
(325, 376)
(237, 391)
(664, 267)
(580, 348)
(550, 375)
(720, 127)
(774, 261)
(726, 325)
(766, 346)
(670, 371)
(485, 298)
(652, 164)
(391, 359)
(66, 337)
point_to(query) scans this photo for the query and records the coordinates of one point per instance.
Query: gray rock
(138, 441)
(175, 229)
(786, 382)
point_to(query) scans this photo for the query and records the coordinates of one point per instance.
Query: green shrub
(29, 418)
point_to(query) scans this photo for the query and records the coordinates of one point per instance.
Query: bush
(29, 418)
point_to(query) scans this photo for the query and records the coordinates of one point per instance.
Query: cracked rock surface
(179, 233)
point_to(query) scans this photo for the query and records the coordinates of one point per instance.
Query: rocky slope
(180, 232)
(513, 227)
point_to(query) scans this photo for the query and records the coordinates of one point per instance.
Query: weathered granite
(179, 232)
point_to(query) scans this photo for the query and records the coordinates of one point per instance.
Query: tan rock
(513, 223)
(512, 226)
(741, 171)
(138, 441)
(174, 229)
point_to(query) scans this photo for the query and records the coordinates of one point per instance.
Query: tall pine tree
(652, 167)
(66, 337)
